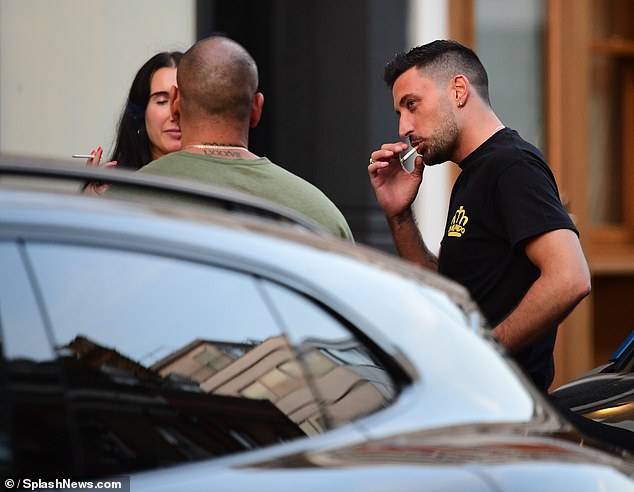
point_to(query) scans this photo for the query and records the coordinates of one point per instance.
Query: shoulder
(517, 149)
(168, 164)
(509, 157)
(288, 176)
(304, 196)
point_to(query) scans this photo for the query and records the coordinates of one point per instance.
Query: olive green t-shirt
(259, 177)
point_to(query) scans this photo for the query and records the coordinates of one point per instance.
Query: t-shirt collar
(473, 156)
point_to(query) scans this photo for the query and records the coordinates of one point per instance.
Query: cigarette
(83, 156)
(408, 155)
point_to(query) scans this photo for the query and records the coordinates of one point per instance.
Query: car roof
(37, 170)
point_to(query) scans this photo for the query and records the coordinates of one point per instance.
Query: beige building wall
(66, 67)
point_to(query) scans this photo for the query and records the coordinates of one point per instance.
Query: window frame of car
(209, 256)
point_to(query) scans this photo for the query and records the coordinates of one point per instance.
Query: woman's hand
(94, 188)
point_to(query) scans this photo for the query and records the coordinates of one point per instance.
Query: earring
(460, 104)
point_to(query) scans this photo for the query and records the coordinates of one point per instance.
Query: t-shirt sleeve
(528, 200)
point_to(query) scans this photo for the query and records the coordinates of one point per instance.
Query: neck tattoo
(229, 151)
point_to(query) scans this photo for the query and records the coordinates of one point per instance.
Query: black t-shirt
(505, 195)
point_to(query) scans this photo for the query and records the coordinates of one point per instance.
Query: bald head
(217, 77)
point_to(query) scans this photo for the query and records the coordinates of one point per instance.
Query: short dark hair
(132, 146)
(441, 59)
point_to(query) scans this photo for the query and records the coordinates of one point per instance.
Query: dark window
(349, 380)
(34, 424)
(169, 360)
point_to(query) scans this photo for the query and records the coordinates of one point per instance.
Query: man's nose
(405, 127)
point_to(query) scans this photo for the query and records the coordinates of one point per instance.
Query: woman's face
(162, 131)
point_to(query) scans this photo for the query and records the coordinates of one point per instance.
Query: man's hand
(394, 186)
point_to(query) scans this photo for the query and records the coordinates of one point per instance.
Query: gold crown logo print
(458, 223)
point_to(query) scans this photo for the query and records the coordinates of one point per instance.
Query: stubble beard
(440, 146)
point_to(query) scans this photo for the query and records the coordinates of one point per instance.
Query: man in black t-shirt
(504, 197)
(508, 239)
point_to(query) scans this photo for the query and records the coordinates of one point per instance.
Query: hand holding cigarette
(394, 185)
(92, 159)
(408, 154)
(388, 153)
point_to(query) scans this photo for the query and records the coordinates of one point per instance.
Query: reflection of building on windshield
(124, 416)
(348, 382)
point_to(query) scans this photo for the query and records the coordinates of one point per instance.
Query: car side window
(170, 360)
(348, 378)
(33, 423)
(144, 341)
(18, 307)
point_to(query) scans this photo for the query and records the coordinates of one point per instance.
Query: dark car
(606, 393)
(235, 347)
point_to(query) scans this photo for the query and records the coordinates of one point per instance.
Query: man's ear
(175, 104)
(257, 104)
(460, 88)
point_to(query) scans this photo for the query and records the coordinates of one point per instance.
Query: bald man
(216, 103)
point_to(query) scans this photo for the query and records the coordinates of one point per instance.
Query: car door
(164, 360)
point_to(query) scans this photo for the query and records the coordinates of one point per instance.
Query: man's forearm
(563, 282)
(542, 309)
(409, 243)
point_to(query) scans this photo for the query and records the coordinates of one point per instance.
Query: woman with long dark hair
(146, 130)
